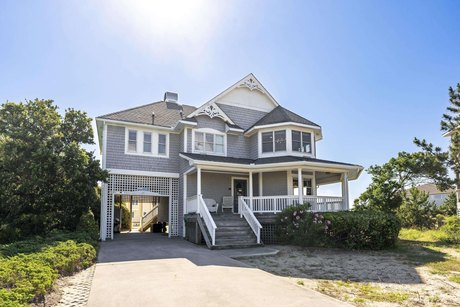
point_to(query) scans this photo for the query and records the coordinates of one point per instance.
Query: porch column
(250, 189)
(300, 185)
(345, 191)
(198, 181)
(261, 189)
(198, 188)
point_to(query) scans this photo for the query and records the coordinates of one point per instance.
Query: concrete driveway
(150, 269)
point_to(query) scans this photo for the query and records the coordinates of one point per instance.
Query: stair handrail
(250, 217)
(203, 211)
(149, 216)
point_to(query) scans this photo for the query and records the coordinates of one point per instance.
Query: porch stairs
(149, 219)
(232, 232)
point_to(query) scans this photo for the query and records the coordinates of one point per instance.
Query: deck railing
(275, 204)
(250, 218)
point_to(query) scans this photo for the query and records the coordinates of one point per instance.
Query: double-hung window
(274, 141)
(162, 144)
(147, 142)
(209, 143)
(301, 141)
(132, 140)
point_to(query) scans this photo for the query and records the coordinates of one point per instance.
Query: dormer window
(274, 141)
(301, 141)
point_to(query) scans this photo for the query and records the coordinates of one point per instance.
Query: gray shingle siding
(237, 146)
(213, 123)
(117, 159)
(253, 146)
(244, 118)
(274, 183)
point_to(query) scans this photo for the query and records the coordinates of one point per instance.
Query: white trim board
(141, 173)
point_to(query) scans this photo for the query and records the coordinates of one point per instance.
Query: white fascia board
(125, 123)
(141, 173)
(99, 132)
(182, 124)
(281, 166)
(230, 129)
(255, 128)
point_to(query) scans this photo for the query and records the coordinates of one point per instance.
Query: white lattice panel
(129, 183)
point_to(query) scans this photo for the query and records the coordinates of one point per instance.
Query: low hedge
(353, 230)
(28, 277)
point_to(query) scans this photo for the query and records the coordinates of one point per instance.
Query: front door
(240, 188)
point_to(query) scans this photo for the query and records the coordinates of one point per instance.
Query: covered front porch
(215, 189)
(263, 191)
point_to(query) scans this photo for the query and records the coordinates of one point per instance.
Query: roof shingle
(167, 114)
(282, 115)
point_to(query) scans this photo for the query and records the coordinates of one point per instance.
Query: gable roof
(282, 115)
(250, 81)
(431, 189)
(167, 114)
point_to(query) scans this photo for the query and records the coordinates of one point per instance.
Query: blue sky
(373, 74)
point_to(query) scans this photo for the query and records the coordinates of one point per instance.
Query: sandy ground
(382, 276)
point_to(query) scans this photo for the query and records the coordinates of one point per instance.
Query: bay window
(301, 141)
(274, 141)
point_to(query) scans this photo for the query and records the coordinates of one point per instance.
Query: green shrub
(355, 230)
(363, 230)
(88, 224)
(452, 229)
(29, 268)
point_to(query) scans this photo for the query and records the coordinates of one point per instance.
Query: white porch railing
(245, 211)
(275, 204)
(203, 211)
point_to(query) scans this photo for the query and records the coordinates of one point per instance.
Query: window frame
(140, 142)
(215, 136)
(301, 134)
(273, 141)
(144, 133)
(165, 144)
(130, 141)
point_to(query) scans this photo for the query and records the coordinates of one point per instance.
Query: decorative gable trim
(212, 110)
(250, 82)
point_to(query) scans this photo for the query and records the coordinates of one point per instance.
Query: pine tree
(451, 124)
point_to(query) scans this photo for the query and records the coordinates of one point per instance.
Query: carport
(146, 208)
